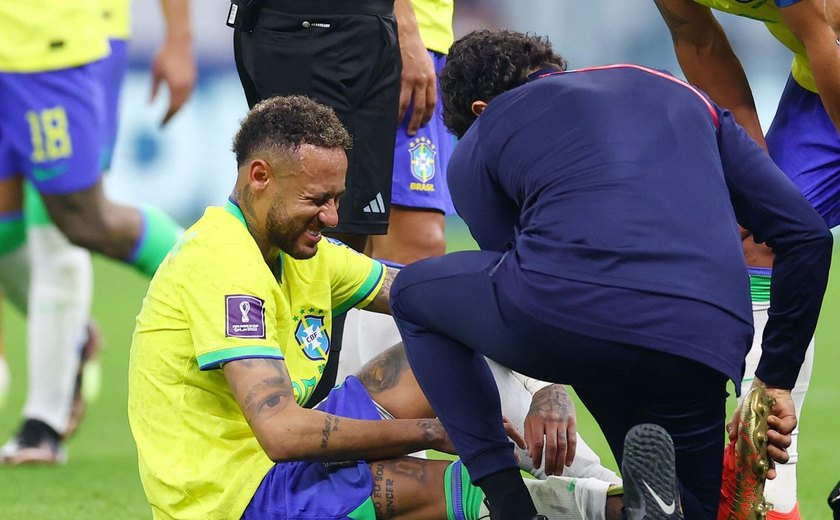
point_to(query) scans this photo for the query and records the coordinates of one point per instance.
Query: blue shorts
(804, 143)
(51, 128)
(317, 490)
(420, 161)
(110, 72)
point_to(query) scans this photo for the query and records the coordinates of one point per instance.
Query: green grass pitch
(100, 481)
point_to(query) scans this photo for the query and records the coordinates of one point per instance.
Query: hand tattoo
(552, 402)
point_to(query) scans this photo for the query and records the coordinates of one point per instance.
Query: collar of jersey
(233, 208)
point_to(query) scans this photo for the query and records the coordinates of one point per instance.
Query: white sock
(781, 491)
(60, 297)
(566, 498)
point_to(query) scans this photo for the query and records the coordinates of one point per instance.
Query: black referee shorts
(345, 54)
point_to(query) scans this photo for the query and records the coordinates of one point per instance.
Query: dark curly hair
(281, 124)
(484, 64)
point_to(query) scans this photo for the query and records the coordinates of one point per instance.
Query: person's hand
(417, 84)
(174, 64)
(551, 424)
(780, 423)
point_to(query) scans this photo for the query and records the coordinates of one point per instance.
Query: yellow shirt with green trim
(767, 11)
(44, 35)
(214, 300)
(117, 15)
(434, 19)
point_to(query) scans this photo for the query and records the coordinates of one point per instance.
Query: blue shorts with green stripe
(321, 490)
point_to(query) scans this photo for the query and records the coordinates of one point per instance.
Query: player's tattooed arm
(286, 431)
(381, 302)
(261, 386)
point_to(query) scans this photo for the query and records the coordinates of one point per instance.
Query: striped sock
(157, 236)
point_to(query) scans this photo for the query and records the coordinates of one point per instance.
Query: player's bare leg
(138, 236)
(413, 234)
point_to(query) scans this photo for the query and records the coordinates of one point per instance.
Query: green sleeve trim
(366, 511)
(371, 283)
(215, 359)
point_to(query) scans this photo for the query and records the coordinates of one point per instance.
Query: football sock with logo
(157, 236)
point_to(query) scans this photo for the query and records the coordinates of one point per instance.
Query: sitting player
(231, 341)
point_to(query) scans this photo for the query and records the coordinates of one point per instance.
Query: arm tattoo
(382, 372)
(330, 426)
(551, 401)
(389, 280)
(270, 393)
(382, 301)
(431, 428)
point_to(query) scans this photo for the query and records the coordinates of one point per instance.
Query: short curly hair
(484, 64)
(281, 124)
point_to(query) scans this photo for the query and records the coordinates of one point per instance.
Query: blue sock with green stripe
(157, 236)
(463, 500)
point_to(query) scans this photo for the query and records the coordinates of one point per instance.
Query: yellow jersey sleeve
(355, 279)
(231, 302)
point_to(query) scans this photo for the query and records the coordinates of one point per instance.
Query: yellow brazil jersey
(213, 300)
(117, 14)
(44, 35)
(767, 11)
(434, 18)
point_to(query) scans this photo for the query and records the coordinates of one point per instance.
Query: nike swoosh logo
(45, 174)
(668, 509)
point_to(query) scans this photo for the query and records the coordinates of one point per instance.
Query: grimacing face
(305, 200)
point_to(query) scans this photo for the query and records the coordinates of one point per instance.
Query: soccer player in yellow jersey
(803, 140)
(53, 125)
(234, 332)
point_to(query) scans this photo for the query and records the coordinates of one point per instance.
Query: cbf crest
(423, 153)
(311, 335)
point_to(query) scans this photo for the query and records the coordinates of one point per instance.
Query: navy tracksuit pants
(451, 313)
